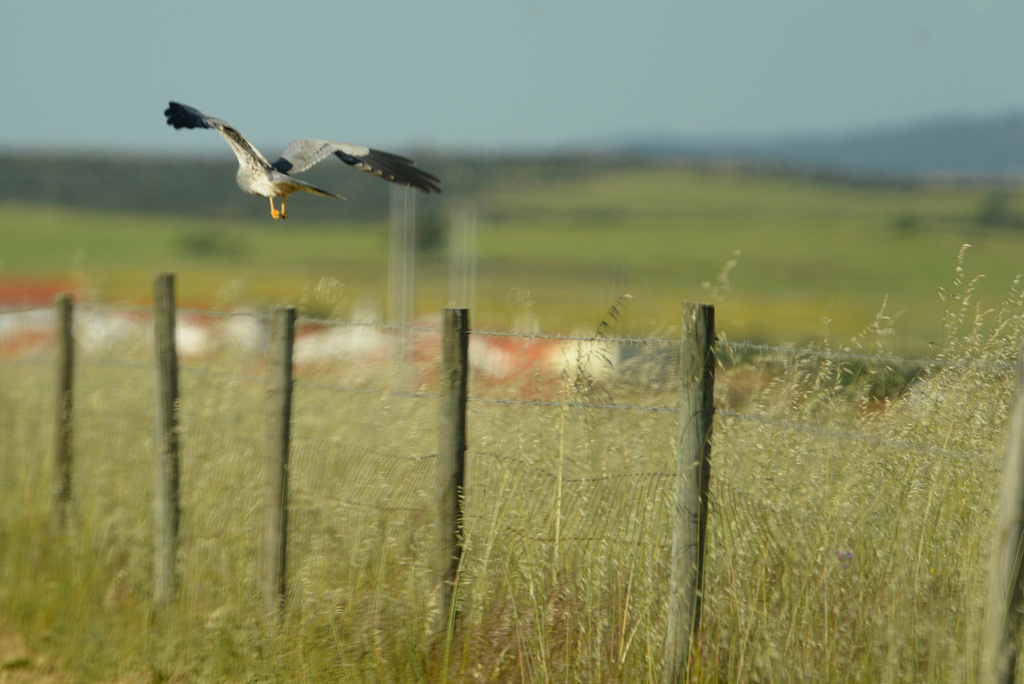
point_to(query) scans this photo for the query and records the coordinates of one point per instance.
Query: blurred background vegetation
(788, 253)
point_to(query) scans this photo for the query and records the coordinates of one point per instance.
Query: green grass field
(563, 250)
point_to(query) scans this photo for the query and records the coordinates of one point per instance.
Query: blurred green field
(561, 251)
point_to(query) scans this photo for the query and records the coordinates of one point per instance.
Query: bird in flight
(257, 176)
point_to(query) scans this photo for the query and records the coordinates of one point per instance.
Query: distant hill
(951, 147)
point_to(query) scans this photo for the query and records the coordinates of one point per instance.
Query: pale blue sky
(482, 74)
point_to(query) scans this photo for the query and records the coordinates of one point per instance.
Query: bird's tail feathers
(309, 187)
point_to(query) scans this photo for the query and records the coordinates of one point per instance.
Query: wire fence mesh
(593, 413)
(571, 460)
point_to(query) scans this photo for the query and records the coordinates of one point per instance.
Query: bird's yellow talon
(274, 212)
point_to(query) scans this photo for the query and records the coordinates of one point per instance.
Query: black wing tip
(427, 182)
(432, 187)
(394, 168)
(173, 113)
(420, 180)
(183, 116)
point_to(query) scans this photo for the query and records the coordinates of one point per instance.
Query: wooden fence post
(696, 411)
(167, 510)
(62, 423)
(273, 547)
(451, 461)
(1000, 652)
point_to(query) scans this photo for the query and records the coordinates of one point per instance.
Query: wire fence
(608, 373)
(571, 460)
(339, 363)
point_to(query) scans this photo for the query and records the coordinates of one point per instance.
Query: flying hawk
(257, 176)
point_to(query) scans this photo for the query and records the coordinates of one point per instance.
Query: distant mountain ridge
(949, 146)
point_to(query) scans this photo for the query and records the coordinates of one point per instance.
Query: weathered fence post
(62, 419)
(451, 461)
(274, 544)
(1000, 653)
(166, 509)
(696, 410)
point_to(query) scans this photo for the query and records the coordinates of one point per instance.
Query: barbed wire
(583, 479)
(591, 531)
(575, 405)
(26, 361)
(791, 350)
(846, 355)
(760, 349)
(121, 363)
(397, 481)
(572, 539)
(367, 390)
(225, 375)
(334, 323)
(17, 308)
(578, 338)
(724, 346)
(571, 404)
(842, 434)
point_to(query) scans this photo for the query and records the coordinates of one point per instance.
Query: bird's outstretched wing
(183, 116)
(302, 154)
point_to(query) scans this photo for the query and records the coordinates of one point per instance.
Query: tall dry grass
(849, 523)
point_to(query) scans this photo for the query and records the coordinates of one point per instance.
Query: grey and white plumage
(257, 176)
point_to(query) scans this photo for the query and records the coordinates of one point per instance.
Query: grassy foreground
(849, 535)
